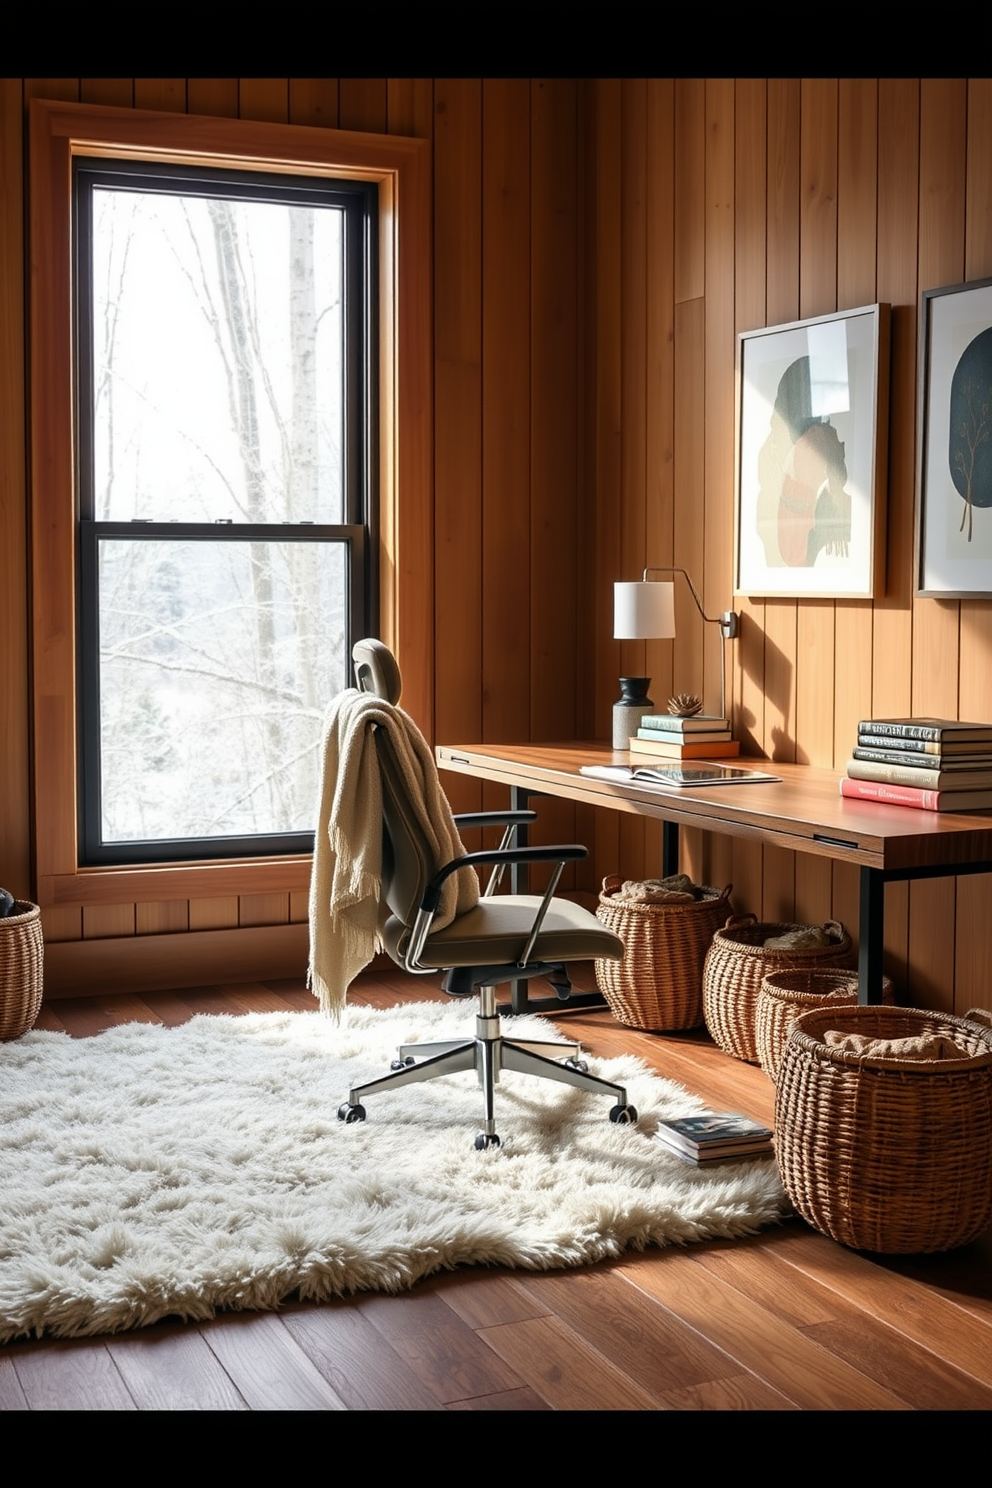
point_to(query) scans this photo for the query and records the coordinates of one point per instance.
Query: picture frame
(953, 557)
(812, 434)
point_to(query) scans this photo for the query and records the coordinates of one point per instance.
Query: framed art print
(954, 455)
(812, 419)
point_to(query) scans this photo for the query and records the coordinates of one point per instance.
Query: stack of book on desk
(704, 736)
(717, 1136)
(932, 764)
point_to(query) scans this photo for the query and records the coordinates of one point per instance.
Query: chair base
(489, 1053)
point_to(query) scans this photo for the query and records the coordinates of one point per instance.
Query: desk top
(803, 811)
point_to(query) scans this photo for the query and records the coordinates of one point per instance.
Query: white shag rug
(153, 1172)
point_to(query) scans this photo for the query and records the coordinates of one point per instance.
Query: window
(225, 488)
(398, 545)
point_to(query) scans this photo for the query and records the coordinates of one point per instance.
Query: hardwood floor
(784, 1320)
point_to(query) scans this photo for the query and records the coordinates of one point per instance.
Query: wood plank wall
(768, 200)
(598, 245)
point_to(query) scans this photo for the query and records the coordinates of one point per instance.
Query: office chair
(503, 938)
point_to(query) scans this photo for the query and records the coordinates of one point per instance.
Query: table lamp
(643, 611)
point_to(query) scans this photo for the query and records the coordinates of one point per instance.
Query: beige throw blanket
(346, 878)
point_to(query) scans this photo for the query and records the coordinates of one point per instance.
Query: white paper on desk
(677, 777)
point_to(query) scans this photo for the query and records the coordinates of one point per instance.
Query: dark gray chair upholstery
(505, 937)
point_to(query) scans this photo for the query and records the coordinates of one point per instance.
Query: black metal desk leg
(871, 936)
(519, 884)
(669, 848)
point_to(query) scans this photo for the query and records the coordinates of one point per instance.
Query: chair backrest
(408, 864)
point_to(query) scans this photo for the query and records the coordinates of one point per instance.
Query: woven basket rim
(25, 911)
(806, 1031)
(730, 937)
(711, 897)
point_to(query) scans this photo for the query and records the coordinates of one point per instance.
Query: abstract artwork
(811, 428)
(954, 469)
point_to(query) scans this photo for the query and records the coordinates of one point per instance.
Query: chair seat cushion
(496, 931)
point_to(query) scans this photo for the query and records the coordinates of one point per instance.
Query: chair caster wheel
(623, 1115)
(399, 1064)
(579, 1065)
(349, 1113)
(482, 1141)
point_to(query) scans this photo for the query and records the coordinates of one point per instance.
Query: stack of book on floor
(716, 1136)
(932, 764)
(704, 736)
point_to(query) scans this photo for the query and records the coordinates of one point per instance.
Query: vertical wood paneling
(936, 622)
(506, 408)
(264, 98)
(690, 172)
(782, 292)
(362, 104)
(633, 399)
(748, 651)
(458, 418)
(555, 595)
(311, 101)
(15, 858)
(603, 215)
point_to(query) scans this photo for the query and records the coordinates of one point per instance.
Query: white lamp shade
(643, 611)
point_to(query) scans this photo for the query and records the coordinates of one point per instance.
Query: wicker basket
(887, 1154)
(658, 984)
(786, 994)
(21, 955)
(736, 965)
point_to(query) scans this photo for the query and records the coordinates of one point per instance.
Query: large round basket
(883, 1153)
(785, 995)
(659, 983)
(21, 956)
(738, 962)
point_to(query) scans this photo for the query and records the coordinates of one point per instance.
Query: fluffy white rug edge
(130, 1197)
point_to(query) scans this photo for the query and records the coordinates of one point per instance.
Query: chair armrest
(500, 855)
(570, 854)
(468, 819)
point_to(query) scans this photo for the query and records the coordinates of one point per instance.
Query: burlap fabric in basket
(786, 994)
(658, 984)
(888, 1154)
(738, 962)
(21, 955)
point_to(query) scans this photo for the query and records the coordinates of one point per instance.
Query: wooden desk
(804, 811)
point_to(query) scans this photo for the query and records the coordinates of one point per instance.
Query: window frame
(353, 531)
(399, 166)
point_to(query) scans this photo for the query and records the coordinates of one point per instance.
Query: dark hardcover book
(915, 759)
(945, 746)
(927, 728)
(715, 1131)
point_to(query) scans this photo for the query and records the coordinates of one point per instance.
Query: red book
(909, 795)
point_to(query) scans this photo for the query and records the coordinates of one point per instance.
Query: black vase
(630, 708)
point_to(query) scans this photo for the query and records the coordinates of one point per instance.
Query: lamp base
(629, 709)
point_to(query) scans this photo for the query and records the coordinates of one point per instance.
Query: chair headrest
(376, 670)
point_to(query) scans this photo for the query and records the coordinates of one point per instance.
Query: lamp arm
(728, 621)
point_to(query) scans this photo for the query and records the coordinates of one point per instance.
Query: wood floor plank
(774, 1351)
(737, 1392)
(563, 1370)
(509, 1400)
(445, 1354)
(12, 1395)
(70, 1375)
(917, 1376)
(913, 1309)
(361, 1366)
(267, 1365)
(170, 1367)
(482, 1299)
(656, 1348)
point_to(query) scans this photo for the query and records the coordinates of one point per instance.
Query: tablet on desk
(678, 777)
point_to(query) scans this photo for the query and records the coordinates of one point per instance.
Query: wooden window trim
(401, 168)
